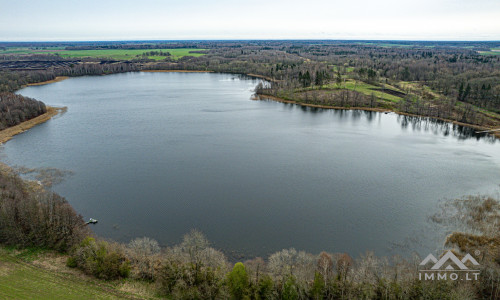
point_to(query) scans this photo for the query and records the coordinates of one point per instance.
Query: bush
(144, 254)
(71, 262)
(193, 270)
(189, 281)
(101, 259)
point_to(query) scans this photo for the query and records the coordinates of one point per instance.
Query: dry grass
(142, 289)
(8, 133)
(5, 268)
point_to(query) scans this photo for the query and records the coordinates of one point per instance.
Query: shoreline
(57, 79)
(174, 71)
(477, 127)
(262, 77)
(9, 133)
(4, 138)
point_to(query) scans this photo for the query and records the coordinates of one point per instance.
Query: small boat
(91, 221)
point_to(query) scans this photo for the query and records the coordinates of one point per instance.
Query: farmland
(491, 52)
(115, 54)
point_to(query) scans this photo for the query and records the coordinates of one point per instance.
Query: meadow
(40, 274)
(491, 52)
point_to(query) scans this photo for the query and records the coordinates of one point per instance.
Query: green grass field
(347, 69)
(115, 54)
(491, 52)
(367, 89)
(22, 279)
(26, 50)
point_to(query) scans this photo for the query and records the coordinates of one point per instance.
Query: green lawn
(116, 54)
(367, 89)
(21, 279)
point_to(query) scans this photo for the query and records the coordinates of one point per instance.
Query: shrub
(101, 259)
(71, 262)
(193, 270)
(188, 281)
(144, 254)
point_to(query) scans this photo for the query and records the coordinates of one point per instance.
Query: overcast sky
(23, 20)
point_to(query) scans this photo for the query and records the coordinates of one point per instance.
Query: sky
(93, 20)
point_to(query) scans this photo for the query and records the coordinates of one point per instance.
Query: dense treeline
(12, 81)
(15, 109)
(154, 53)
(33, 217)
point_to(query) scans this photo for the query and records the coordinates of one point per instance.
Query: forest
(15, 109)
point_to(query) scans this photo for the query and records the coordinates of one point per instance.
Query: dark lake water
(157, 154)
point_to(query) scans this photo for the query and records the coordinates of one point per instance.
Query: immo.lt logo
(449, 267)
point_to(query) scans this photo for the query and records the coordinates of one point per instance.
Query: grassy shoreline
(43, 274)
(8, 133)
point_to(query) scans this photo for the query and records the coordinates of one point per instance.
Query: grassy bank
(8, 133)
(35, 274)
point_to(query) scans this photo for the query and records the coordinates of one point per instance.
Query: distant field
(116, 54)
(491, 52)
(26, 50)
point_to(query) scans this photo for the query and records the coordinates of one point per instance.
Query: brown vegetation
(8, 133)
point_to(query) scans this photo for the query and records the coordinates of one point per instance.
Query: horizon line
(236, 39)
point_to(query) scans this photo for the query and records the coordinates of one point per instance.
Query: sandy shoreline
(8, 133)
(477, 127)
(57, 79)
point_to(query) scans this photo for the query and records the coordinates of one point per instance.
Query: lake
(157, 154)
